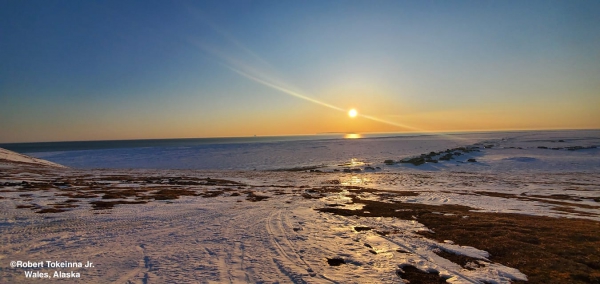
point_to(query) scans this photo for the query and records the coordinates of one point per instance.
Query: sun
(352, 113)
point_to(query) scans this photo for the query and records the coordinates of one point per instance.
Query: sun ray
(283, 89)
(249, 71)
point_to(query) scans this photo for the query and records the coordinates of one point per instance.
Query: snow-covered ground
(9, 157)
(215, 226)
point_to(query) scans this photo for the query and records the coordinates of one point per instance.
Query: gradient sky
(98, 70)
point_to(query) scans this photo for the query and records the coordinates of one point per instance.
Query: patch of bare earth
(546, 249)
(142, 190)
(101, 205)
(466, 262)
(253, 197)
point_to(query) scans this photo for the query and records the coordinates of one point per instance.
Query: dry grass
(146, 190)
(211, 193)
(64, 205)
(547, 250)
(168, 193)
(253, 197)
(102, 205)
(550, 199)
(121, 193)
(23, 206)
(82, 195)
(464, 261)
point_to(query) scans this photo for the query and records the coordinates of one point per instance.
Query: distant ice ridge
(508, 151)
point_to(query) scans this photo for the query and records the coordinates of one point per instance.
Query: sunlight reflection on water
(352, 136)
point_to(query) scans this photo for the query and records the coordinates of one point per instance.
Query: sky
(104, 70)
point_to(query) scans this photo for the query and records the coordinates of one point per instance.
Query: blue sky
(94, 70)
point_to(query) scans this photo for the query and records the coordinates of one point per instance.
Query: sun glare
(352, 113)
(352, 136)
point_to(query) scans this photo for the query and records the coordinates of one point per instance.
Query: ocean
(264, 153)
(235, 153)
(35, 147)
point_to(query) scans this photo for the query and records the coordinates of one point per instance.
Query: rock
(335, 261)
(362, 228)
(389, 162)
(415, 161)
(446, 157)
(369, 169)
(472, 160)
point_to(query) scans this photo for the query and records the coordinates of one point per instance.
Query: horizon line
(315, 134)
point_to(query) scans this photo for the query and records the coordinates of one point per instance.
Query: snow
(7, 156)
(215, 240)
(283, 239)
